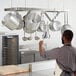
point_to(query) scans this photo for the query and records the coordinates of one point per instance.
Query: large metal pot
(34, 16)
(31, 21)
(13, 20)
(55, 26)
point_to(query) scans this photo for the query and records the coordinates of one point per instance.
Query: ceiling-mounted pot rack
(44, 11)
(28, 9)
(52, 25)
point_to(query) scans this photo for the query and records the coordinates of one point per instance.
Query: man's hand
(41, 42)
(40, 46)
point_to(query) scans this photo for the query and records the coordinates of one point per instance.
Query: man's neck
(69, 43)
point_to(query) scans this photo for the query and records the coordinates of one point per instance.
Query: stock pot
(13, 20)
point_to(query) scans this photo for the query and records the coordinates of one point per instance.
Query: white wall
(54, 40)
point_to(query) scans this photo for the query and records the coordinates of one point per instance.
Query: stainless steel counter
(28, 56)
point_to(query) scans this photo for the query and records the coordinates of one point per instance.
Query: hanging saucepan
(30, 27)
(37, 18)
(65, 27)
(31, 22)
(55, 25)
(34, 16)
(13, 21)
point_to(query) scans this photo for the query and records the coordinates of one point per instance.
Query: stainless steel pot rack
(28, 9)
(54, 25)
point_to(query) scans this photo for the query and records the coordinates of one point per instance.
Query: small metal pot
(55, 26)
(65, 27)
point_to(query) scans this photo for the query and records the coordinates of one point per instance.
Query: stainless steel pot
(34, 16)
(65, 27)
(13, 21)
(30, 27)
(31, 22)
(55, 26)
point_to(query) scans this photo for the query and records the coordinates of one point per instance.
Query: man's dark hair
(68, 34)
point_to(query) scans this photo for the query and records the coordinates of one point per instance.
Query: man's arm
(50, 54)
(40, 47)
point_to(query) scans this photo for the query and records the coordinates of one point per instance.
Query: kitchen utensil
(30, 27)
(55, 26)
(24, 38)
(65, 27)
(45, 35)
(41, 26)
(46, 32)
(42, 23)
(37, 18)
(21, 24)
(13, 21)
(36, 37)
(34, 16)
(31, 22)
(30, 38)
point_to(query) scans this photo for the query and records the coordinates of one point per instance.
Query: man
(65, 56)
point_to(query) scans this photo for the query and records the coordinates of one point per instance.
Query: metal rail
(28, 9)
